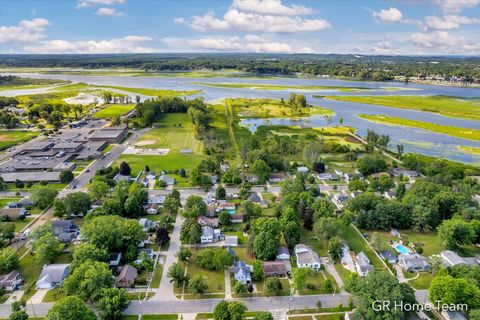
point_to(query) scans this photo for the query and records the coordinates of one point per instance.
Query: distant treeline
(351, 66)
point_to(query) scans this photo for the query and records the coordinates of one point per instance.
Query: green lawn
(243, 254)
(12, 137)
(152, 317)
(330, 316)
(29, 83)
(175, 132)
(5, 201)
(157, 276)
(357, 244)
(423, 281)
(316, 280)
(215, 279)
(464, 133)
(308, 237)
(342, 272)
(54, 295)
(114, 110)
(154, 92)
(446, 105)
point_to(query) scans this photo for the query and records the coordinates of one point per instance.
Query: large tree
(456, 233)
(8, 260)
(46, 249)
(176, 273)
(371, 164)
(450, 290)
(112, 303)
(44, 196)
(88, 280)
(77, 203)
(70, 308)
(88, 252)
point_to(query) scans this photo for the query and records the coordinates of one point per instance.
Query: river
(414, 140)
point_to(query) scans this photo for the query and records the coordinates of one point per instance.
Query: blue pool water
(402, 249)
(231, 211)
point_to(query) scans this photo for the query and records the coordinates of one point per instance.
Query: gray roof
(241, 267)
(388, 255)
(413, 260)
(31, 176)
(207, 231)
(452, 258)
(55, 273)
(282, 250)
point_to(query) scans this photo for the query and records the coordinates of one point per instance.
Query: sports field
(114, 110)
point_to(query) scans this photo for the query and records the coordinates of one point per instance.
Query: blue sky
(267, 26)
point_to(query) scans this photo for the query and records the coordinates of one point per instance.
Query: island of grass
(449, 106)
(469, 150)
(114, 110)
(279, 87)
(13, 137)
(463, 133)
(154, 92)
(271, 108)
(17, 83)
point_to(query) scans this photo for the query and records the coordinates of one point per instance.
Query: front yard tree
(46, 249)
(184, 254)
(266, 234)
(261, 169)
(19, 311)
(88, 252)
(198, 284)
(8, 260)
(456, 233)
(59, 209)
(176, 273)
(234, 310)
(190, 231)
(112, 303)
(327, 227)
(300, 278)
(273, 286)
(371, 164)
(162, 236)
(125, 169)
(195, 207)
(99, 190)
(7, 231)
(335, 248)
(450, 290)
(257, 273)
(44, 196)
(379, 286)
(88, 281)
(66, 176)
(70, 308)
(220, 192)
(224, 218)
(171, 205)
(77, 203)
(240, 288)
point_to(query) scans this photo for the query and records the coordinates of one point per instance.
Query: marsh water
(414, 140)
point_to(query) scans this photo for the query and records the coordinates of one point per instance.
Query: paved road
(206, 305)
(165, 290)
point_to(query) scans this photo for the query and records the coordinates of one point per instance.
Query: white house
(53, 275)
(146, 224)
(168, 180)
(307, 258)
(413, 262)
(362, 265)
(242, 272)
(210, 235)
(302, 169)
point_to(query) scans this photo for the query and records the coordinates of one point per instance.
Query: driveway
(165, 290)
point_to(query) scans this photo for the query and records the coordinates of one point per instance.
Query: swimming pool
(231, 211)
(402, 249)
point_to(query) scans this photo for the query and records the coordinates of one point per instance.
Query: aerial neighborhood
(248, 183)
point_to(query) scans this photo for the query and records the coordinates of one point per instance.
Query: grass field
(154, 92)
(157, 276)
(13, 137)
(175, 132)
(319, 246)
(269, 108)
(464, 133)
(277, 87)
(317, 279)
(114, 110)
(28, 83)
(469, 150)
(445, 105)
(423, 281)
(169, 162)
(152, 317)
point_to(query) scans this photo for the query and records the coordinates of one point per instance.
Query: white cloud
(119, 45)
(26, 31)
(93, 3)
(248, 43)
(455, 6)
(443, 42)
(180, 20)
(448, 22)
(208, 22)
(388, 15)
(108, 12)
(236, 20)
(271, 7)
(385, 47)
